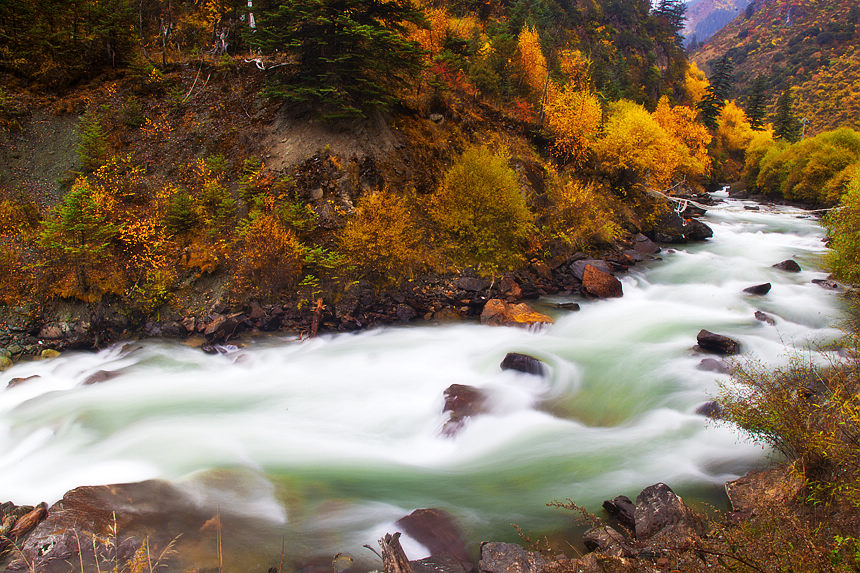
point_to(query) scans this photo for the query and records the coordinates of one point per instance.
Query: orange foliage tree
(269, 259)
(692, 137)
(573, 116)
(532, 61)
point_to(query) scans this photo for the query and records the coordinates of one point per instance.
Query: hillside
(706, 17)
(808, 45)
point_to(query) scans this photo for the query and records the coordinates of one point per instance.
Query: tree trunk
(394, 559)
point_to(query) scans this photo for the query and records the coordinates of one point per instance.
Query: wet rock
(623, 510)
(752, 208)
(826, 283)
(572, 306)
(405, 313)
(509, 558)
(645, 246)
(510, 288)
(672, 228)
(438, 532)
(717, 343)
(16, 381)
(100, 376)
(713, 365)
(661, 513)
(607, 541)
(600, 284)
(462, 402)
(542, 270)
(222, 327)
(497, 312)
(447, 314)
(189, 323)
(49, 353)
(54, 331)
(523, 363)
(710, 409)
(471, 284)
(788, 265)
(578, 267)
(759, 290)
(767, 319)
(5, 362)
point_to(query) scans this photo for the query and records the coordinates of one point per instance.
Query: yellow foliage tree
(695, 84)
(383, 239)
(573, 116)
(583, 214)
(634, 147)
(270, 258)
(531, 60)
(731, 140)
(692, 137)
(576, 68)
(481, 212)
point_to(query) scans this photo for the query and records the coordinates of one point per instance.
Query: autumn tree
(349, 54)
(573, 116)
(481, 213)
(532, 61)
(717, 93)
(692, 137)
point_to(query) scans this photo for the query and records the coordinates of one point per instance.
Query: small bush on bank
(269, 260)
(481, 213)
(583, 214)
(844, 228)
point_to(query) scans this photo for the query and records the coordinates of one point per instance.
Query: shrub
(844, 228)
(383, 240)
(574, 117)
(481, 212)
(582, 215)
(269, 260)
(180, 216)
(92, 141)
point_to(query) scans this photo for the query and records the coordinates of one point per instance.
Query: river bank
(607, 419)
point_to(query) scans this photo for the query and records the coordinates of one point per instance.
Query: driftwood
(315, 323)
(394, 559)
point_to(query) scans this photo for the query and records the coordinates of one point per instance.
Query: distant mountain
(812, 46)
(706, 17)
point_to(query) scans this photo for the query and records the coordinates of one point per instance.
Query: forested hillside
(806, 46)
(707, 17)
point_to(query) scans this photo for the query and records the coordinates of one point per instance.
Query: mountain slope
(809, 45)
(707, 17)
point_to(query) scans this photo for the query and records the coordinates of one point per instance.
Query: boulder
(600, 284)
(713, 365)
(645, 246)
(660, 513)
(572, 306)
(405, 313)
(5, 362)
(49, 353)
(710, 409)
(510, 288)
(765, 318)
(15, 381)
(497, 312)
(100, 376)
(623, 510)
(462, 402)
(222, 327)
(523, 363)
(607, 541)
(826, 283)
(578, 267)
(788, 265)
(672, 228)
(509, 558)
(759, 290)
(438, 532)
(472, 284)
(717, 343)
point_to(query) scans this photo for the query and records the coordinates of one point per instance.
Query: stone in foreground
(600, 284)
(523, 363)
(788, 265)
(759, 290)
(500, 313)
(717, 343)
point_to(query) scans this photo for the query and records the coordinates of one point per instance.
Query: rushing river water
(330, 441)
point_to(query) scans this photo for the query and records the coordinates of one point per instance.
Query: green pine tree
(349, 53)
(718, 92)
(92, 141)
(757, 103)
(785, 125)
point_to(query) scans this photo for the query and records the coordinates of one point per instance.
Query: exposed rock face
(661, 513)
(523, 363)
(622, 509)
(600, 284)
(500, 313)
(717, 343)
(759, 290)
(509, 558)
(788, 265)
(462, 402)
(645, 246)
(765, 318)
(437, 531)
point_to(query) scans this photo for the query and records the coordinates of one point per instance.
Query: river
(325, 443)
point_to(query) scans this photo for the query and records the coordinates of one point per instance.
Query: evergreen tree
(756, 104)
(674, 13)
(785, 124)
(718, 92)
(349, 53)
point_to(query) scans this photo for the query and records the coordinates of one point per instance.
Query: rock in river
(500, 313)
(759, 290)
(788, 265)
(523, 363)
(462, 402)
(717, 343)
(600, 284)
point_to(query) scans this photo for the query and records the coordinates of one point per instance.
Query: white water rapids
(331, 440)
